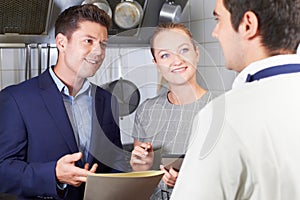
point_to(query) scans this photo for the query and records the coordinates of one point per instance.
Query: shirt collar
(254, 67)
(86, 87)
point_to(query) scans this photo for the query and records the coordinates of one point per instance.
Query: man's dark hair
(68, 21)
(279, 21)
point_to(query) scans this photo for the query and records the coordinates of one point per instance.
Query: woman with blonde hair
(163, 123)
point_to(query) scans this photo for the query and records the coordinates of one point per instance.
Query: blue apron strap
(273, 71)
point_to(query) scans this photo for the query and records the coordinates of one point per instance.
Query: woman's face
(175, 56)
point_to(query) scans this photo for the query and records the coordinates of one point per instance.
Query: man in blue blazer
(57, 128)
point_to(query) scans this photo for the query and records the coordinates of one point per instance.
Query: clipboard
(120, 186)
(172, 160)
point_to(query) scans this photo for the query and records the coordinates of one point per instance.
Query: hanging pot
(128, 14)
(170, 12)
(102, 4)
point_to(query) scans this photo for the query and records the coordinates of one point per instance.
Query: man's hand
(67, 172)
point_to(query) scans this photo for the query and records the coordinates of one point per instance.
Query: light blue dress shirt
(79, 109)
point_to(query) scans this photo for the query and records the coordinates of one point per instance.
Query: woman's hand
(170, 176)
(142, 156)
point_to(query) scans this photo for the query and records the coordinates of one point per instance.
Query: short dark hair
(68, 21)
(279, 21)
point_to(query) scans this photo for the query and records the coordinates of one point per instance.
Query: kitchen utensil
(48, 55)
(39, 56)
(128, 14)
(102, 4)
(28, 62)
(127, 93)
(170, 12)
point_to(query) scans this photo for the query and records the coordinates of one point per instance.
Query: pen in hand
(142, 156)
(147, 147)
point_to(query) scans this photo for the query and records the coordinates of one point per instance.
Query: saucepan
(102, 4)
(170, 12)
(128, 14)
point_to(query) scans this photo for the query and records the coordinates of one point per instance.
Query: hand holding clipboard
(172, 160)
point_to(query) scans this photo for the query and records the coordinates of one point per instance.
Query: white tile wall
(212, 64)
(197, 28)
(211, 54)
(12, 64)
(208, 7)
(209, 27)
(12, 67)
(137, 63)
(196, 10)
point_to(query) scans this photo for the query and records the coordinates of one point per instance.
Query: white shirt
(254, 67)
(245, 144)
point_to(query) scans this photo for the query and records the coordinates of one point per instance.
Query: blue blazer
(35, 132)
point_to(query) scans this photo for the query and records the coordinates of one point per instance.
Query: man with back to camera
(245, 144)
(57, 128)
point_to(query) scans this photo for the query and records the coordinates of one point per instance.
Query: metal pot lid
(128, 14)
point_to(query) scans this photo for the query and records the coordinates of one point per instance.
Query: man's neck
(73, 82)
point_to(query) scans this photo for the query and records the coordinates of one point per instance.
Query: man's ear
(249, 25)
(60, 41)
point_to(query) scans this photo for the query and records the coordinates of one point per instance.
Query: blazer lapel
(54, 102)
(96, 128)
(98, 104)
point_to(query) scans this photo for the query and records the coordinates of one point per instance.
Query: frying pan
(126, 92)
(128, 14)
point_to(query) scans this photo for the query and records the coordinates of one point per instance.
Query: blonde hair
(164, 27)
(169, 26)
